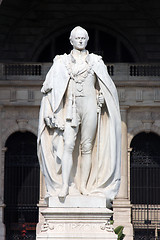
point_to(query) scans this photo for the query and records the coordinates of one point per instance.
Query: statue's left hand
(48, 122)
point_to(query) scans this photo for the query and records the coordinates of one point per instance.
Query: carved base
(122, 216)
(76, 223)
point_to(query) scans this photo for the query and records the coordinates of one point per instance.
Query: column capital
(124, 108)
(4, 149)
(129, 150)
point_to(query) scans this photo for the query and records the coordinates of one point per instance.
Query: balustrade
(118, 71)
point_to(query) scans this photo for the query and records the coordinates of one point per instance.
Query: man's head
(79, 38)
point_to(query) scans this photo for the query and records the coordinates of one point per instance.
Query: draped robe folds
(104, 177)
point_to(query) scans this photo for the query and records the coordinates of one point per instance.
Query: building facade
(127, 35)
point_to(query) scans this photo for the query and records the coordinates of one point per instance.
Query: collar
(76, 53)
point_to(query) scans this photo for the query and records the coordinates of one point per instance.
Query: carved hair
(78, 28)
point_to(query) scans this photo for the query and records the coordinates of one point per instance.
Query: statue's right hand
(48, 122)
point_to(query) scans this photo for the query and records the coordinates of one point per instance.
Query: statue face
(79, 40)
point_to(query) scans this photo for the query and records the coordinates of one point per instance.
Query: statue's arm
(47, 110)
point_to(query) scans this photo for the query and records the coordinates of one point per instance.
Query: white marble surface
(79, 201)
(79, 137)
(76, 223)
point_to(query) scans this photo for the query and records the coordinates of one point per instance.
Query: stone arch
(15, 128)
(108, 27)
(139, 129)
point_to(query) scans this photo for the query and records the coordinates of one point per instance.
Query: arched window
(145, 185)
(111, 47)
(145, 169)
(21, 186)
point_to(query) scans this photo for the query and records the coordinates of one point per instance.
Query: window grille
(21, 184)
(145, 186)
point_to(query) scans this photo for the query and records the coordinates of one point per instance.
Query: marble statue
(79, 136)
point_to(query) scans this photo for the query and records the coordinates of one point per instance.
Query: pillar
(121, 205)
(123, 191)
(2, 156)
(42, 203)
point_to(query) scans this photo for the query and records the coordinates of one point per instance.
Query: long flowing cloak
(104, 178)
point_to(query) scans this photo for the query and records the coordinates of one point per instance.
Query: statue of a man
(79, 125)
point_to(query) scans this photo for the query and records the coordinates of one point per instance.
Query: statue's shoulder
(95, 57)
(60, 58)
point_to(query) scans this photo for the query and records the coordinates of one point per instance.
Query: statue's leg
(88, 131)
(70, 134)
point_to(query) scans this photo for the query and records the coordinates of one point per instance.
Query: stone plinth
(77, 201)
(122, 216)
(65, 222)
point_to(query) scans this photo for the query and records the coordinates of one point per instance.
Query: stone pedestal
(122, 216)
(84, 220)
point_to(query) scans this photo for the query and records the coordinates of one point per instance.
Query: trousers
(86, 108)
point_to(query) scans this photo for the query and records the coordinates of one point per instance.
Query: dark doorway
(145, 185)
(21, 186)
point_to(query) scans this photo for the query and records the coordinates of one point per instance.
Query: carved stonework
(122, 95)
(75, 227)
(157, 95)
(45, 227)
(147, 121)
(107, 226)
(147, 125)
(13, 95)
(139, 95)
(22, 123)
(73, 223)
(30, 95)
